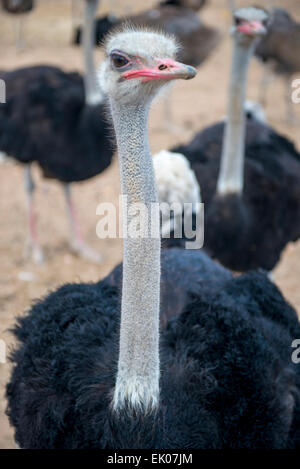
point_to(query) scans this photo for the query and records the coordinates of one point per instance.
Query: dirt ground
(194, 104)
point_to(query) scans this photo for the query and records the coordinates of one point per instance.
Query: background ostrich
(57, 119)
(64, 393)
(177, 186)
(248, 220)
(279, 50)
(18, 7)
(179, 19)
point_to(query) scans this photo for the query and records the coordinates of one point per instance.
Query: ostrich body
(57, 119)
(249, 177)
(220, 375)
(280, 51)
(53, 104)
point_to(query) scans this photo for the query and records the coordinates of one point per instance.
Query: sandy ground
(194, 104)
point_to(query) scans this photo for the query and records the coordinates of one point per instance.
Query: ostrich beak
(252, 28)
(165, 69)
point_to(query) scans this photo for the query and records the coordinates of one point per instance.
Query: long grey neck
(137, 383)
(93, 93)
(231, 175)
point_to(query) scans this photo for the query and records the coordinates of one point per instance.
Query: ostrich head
(139, 63)
(249, 24)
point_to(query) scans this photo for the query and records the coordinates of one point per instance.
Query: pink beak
(252, 27)
(166, 69)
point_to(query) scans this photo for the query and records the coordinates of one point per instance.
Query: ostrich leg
(32, 248)
(77, 242)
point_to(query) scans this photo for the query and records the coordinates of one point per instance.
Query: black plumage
(279, 52)
(227, 379)
(193, 4)
(47, 120)
(17, 6)
(258, 224)
(183, 274)
(281, 46)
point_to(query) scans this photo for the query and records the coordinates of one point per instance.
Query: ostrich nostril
(162, 67)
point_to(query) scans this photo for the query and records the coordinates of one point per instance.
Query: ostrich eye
(237, 21)
(119, 61)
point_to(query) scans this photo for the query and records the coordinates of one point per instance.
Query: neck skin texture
(231, 176)
(93, 94)
(137, 383)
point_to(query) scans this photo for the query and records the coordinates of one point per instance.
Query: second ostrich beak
(165, 69)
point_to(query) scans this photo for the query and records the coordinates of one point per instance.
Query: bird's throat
(137, 382)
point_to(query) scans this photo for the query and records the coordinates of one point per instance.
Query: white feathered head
(177, 185)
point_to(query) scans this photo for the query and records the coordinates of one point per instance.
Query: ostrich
(219, 375)
(249, 175)
(178, 187)
(57, 119)
(280, 51)
(18, 7)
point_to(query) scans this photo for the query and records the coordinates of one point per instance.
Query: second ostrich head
(138, 64)
(249, 23)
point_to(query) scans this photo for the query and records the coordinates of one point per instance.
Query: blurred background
(48, 31)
